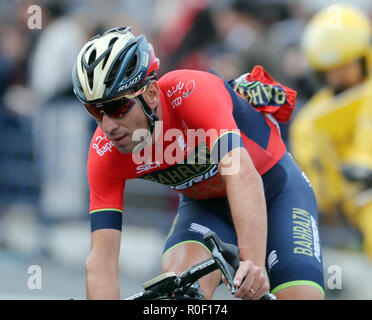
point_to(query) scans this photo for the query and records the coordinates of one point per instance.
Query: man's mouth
(116, 140)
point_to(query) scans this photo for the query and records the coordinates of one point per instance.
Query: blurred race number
(34, 20)
(35, 279)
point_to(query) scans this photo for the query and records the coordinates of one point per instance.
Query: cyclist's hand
(251, 281)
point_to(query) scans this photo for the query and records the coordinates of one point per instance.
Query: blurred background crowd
(45, 132)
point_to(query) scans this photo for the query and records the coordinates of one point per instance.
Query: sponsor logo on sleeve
(102, 145)
(180, 92)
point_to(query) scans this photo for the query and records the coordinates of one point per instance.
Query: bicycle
(185, 286)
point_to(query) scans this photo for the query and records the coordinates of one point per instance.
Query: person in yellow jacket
(331, 136)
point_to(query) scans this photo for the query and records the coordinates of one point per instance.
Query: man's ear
(152, 94)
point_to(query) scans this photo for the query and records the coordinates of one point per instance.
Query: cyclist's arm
(248, 207)
(102, 266)
(107, 186)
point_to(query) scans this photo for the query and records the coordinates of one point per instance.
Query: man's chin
(124, 149)
(124, 145)
(134, 147)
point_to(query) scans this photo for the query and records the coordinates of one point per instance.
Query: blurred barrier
(61, 139)
(19, 176)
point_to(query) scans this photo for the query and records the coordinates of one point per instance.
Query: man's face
(120, 130)
(345, 77)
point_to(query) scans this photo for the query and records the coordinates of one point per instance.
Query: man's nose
(109, 125)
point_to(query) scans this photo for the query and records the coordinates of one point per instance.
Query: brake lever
(227, 270)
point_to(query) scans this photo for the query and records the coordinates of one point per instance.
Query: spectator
(330, 136)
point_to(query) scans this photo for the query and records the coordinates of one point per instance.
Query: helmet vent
(90, 80)
(130, 70)
(113, 72)
(111, 43)
(132, 66)
(92, 57)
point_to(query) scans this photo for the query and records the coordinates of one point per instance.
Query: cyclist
(330, 134)
(237, 180)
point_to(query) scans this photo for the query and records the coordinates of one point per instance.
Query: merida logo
(272, 259)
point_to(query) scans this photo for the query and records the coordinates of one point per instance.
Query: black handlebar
(229, 251)
(226, 256)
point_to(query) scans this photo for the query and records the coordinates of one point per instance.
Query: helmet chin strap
(152, 117)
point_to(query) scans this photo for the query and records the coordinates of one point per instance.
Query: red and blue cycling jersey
(203, 118)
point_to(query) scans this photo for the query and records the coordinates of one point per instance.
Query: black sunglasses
(116, 108)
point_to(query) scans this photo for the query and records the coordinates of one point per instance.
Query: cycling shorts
(293, 255)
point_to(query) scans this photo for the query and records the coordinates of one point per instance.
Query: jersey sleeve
(207, 107)
(106, 186)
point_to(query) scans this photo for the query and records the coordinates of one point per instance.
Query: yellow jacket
(330, 131)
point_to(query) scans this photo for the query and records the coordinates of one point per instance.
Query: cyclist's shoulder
(103, 155)
(181, 75)
(186, 90)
